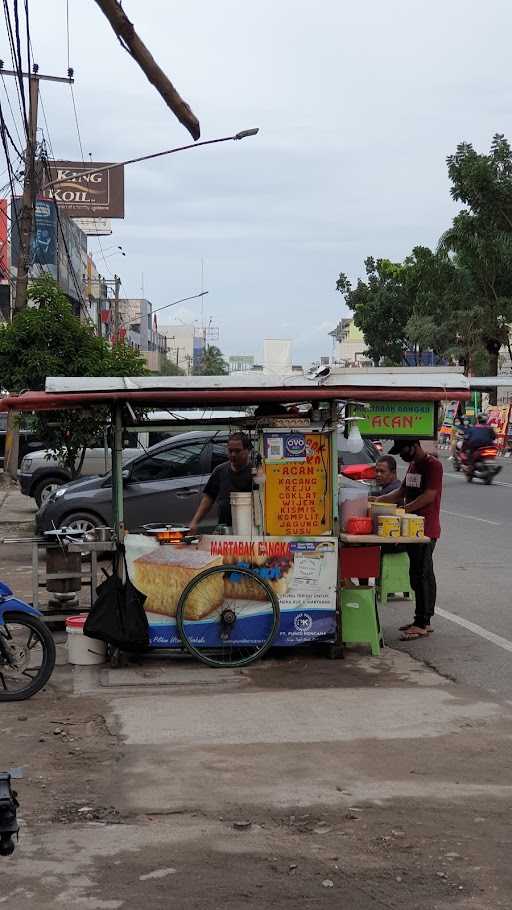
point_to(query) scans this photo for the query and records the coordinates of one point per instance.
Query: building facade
(349, 346)
(185, 345)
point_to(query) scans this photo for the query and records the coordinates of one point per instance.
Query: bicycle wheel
(227, 616)
(27, 656)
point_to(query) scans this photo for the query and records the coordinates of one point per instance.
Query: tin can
(413, 526)
(388, 526)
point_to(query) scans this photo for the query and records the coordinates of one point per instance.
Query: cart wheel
(227, 616)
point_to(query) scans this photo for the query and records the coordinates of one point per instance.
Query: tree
(480, 239)
(212, 363)
(48, 340)
(169, 368)
(381, 307)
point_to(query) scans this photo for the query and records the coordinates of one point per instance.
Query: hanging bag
(117, 616)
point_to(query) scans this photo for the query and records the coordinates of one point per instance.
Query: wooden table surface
(375, 539)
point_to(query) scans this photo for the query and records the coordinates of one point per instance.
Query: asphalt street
(472, 641)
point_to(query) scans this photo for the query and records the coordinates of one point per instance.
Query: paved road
(474, 572)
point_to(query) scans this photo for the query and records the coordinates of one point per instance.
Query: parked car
(40, 473)
(164, 484)
(28, 440)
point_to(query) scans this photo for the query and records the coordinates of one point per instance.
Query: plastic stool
(359, 617)
(394, 576)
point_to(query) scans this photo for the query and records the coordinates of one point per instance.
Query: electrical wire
(19, 62)
(11, 140)
(27, 28)
(11, 110)
(67, 29)
(17, 67)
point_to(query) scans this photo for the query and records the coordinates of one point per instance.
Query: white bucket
(241, 512)
(83, 650)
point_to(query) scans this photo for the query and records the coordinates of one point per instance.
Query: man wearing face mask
(421, 491)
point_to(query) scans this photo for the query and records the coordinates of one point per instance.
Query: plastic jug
(352, 500)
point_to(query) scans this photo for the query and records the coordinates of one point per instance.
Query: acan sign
(81, 192)
(388, 419)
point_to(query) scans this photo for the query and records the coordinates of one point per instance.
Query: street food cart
(274, 578)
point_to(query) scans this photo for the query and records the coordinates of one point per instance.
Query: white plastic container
(241, 514)
(82, 650)
(352, 500)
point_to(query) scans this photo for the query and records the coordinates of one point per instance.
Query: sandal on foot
(412, 625)
(413, 633)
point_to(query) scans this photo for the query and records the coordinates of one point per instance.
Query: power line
(11, 110)
(16, 61)
(27, 22)
(76, 123)
(67, 28)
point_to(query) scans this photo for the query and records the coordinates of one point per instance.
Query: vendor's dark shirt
(423, 475)
(390, 487)
(223, 481)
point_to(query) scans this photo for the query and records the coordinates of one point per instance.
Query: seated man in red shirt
(421, 492)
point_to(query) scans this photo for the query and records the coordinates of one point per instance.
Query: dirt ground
(303, 782)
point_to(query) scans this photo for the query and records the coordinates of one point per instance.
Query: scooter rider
(478, 436)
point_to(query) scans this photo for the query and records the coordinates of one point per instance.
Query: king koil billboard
(82, 192)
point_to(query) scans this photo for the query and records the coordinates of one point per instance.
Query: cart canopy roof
(250, 389)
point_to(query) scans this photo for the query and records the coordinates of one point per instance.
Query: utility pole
(31, 185)
(117, 319)
(32, 180)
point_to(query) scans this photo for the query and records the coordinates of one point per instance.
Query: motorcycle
(27, 648)
(482, 465)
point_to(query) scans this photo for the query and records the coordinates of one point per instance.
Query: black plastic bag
(117, 615)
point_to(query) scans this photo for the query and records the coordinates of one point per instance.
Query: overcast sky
(358, 104)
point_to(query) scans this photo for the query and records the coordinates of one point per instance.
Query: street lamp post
(243, 134)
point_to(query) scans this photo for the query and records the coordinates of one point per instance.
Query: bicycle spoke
(241, 623)
(3, 682)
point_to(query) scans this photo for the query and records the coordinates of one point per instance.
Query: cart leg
(336, 651)
(118, 658)
(94, 575)
(35, 575)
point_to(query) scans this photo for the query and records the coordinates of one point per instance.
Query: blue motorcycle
(27, 648)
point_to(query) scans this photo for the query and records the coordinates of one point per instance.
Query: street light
(243, 134)
(183, 299)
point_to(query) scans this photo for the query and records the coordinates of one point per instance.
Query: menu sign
(298, 489)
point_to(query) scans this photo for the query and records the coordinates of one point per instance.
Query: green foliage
(381, 306)
(48, 340)
(456, 300)
(212, 363)
(169, 368)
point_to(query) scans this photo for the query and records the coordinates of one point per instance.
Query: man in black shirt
(233, 476)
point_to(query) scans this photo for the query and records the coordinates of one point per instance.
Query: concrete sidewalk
(17, 512)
